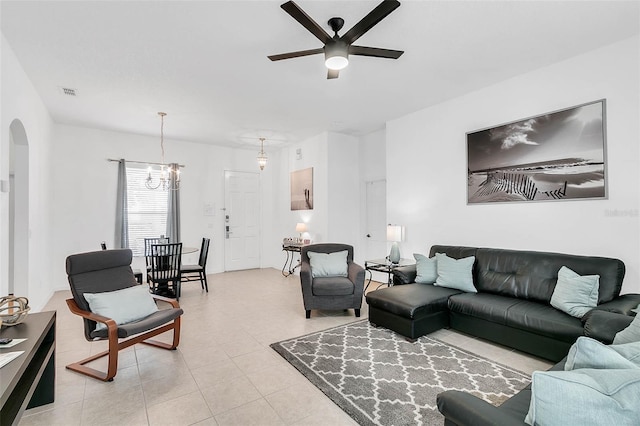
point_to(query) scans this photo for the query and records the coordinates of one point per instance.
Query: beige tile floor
(224, 372)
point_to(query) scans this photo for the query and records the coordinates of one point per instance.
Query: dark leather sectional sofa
(512, 305)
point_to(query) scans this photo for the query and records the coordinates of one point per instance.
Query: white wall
(336, 192)
(426, 165)
(343, 203)
(20, 101)
(84, 189)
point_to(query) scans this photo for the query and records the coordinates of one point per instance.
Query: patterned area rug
(379, 378)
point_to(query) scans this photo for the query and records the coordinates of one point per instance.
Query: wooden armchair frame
(115, 345)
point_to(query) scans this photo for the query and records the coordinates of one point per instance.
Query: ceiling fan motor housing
(336, 25)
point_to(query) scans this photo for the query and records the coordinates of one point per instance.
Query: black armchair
(331, 292)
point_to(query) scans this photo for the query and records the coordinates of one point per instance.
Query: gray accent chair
(331, 293)
(110, 270)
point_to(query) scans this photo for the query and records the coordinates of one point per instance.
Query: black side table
(384, 266)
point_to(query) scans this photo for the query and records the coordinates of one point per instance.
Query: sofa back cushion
(533, 275)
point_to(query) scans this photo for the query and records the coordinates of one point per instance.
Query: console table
(290, 250)
(384, 266)
(29, 380)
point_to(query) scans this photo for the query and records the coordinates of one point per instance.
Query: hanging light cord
(162, 114)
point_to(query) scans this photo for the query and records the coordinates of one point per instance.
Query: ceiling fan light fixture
(336, 56)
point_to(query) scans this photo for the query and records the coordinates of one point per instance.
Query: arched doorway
(18, 209)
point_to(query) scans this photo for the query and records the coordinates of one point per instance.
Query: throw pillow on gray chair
(114, 306)
(329, 278)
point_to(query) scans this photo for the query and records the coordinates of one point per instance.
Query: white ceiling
(205, 62)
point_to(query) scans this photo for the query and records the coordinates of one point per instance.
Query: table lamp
(394, 234)
(300, 228)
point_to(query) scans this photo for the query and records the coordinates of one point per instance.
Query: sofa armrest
(603, 325)
(462, 408)
(621, 304)
(404, 274)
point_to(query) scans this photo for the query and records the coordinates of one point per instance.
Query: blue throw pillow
(123, 306)
(455, 273)
(629, 334)
(590, 353)
(575, 294)
(426, 269)
(328, 264)
(585, 397)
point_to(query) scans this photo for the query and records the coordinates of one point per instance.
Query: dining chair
(165, 261)
(198, 272)
(148, 242)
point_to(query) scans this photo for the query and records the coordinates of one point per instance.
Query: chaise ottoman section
(411, 310)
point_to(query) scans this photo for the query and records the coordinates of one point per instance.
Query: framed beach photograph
(302, 189)
(560, 155)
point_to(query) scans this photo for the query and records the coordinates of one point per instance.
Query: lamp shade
(336, 55)
(301, 227)
(394, 233)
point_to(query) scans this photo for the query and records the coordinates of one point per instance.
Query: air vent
(68, 91)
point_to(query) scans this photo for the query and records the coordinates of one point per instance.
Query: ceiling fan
(338, 48)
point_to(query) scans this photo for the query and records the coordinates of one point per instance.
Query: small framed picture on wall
(302, 189)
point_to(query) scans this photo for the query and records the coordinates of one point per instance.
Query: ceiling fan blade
(332, 74)
(375, 51)
(376, 15)
(305, 20)
(297, 54)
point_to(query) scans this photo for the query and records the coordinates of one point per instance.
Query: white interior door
(376, 226)
(241, 221)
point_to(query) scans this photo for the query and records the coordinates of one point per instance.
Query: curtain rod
(144, 162)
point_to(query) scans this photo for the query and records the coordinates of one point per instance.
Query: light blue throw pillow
(426, 269)
(575, 294)
(585, 397)
(590, 353)
(455, 273)
(123, 306)
(629, 334)
(328, 264)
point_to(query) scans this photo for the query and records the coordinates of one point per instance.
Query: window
(147, 209)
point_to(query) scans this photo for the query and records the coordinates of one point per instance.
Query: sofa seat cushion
(521, 314)
(411, 300)
(332, 286)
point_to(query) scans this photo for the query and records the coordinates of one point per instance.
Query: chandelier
(262, 156)
(167, 173)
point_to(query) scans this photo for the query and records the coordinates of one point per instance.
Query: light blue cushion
(123, 306)
(328, 264)
(590, 353)
(629, 334)
(585, 397)
(455, 273)
(426, 269)
(575, 294)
